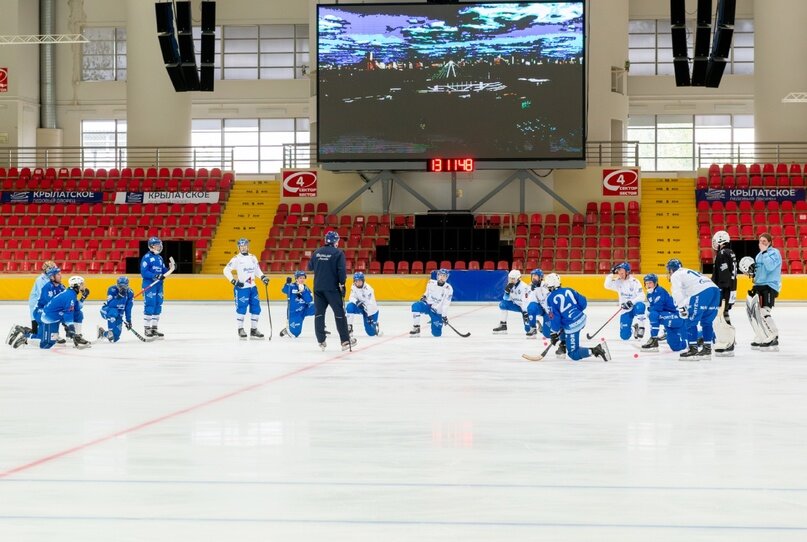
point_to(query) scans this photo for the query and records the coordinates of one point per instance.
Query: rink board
(387, 287)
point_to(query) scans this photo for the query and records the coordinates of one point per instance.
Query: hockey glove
(423, 299)
(128, 325)
(445, 319)
(683, 313)
(288, 280)
(85, 293)
(508, 288)
(159, 277)
(614, 269)
(554, 338)
(526, 318)
(627, 305)
(237, 283)
(265, 280)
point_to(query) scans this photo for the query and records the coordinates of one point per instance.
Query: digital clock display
(449, 165)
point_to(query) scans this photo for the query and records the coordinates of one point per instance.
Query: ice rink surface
(202, 437)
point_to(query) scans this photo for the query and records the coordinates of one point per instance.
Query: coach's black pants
(322, 300)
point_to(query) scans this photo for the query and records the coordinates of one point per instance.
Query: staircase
(249, 213)
(669, 225)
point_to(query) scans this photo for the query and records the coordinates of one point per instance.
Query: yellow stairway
(249, 213)
(669, 224)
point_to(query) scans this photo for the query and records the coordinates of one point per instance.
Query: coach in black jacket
(328, 265)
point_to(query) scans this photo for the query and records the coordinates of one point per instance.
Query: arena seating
(98, 237)
(589, 243)
(746, 220)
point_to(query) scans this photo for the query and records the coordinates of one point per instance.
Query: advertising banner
(299, 184)
(751, 194)
(166, 197)
(52, 197)
(3, 79)
(620, 182)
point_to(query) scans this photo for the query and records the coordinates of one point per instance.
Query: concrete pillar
(156, 115)
(780, 43)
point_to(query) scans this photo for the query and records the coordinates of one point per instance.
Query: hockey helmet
(155, 245)
(52, 272)
(651, 277)
(719, 239)
(332, 238)
(514, 275)
(537, 272)
(358, 276)
(298, 274)
(623, 265)
(674, 265)
(243, 245)
(443, 271)
(76, 282)
(747, 265)
(552, 281)
(123, 283)
(48, 265)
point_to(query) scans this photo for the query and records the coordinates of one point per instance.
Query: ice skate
(323, 346)
(347, 345)
(691, 354)
(80, 342)
(284, 332)
(602, 351)
(20, 340)
(532, 332)
(705, 351)
(638, 331)
(501, 329)
(242, 334)
(771, 346)
(156, 333)
(651, 345)
(561, 351)
(255, 334)
(727, 352)
(415, 331)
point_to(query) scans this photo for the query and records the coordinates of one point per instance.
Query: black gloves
(627, 305)
(445, 319)
(614, 269)
(236, 283)
(554, 338)
(85, 293)
(265, 280)
(508, 287)
(288, 280)
(423, 299)
(127, 324)
(159, 277)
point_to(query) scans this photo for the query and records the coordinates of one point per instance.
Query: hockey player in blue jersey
(567, 306)
(117, 310)
(65, 308)
(662, 313)
(33, 300)
(301, 304)
(362, 301)
(434, 302)
(537, 303)
(153, 271)
(245, 290)
(697, 299)
(516, 298)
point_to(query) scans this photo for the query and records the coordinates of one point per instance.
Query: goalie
(724, 275)
(766, 271)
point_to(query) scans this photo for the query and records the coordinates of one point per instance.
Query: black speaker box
(208, 17)
(184, 19)
(165, 17)
(678, 12)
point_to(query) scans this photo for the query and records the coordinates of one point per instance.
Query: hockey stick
(171, 269)
(268, 308)
(540, 356)
(139, 336)
(463, 335)
(592, 335)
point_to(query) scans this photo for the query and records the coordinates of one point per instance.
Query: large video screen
(489, 81)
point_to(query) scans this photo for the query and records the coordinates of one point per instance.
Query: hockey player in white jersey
(435, 303)
(697, 299)
(245, 290)
(536, 304)
(515, 299)
(631, 300)
(362, 301)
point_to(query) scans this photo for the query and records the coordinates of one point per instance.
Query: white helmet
(720, 238)
(76, 280)
(514, 275)
(552, 281)
(747, 265)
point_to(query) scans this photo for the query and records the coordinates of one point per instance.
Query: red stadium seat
(389, 268)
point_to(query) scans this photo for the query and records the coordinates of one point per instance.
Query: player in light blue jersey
(567, 308)
(117, 310)
(301, 304)
(33, 299)
(153, 271)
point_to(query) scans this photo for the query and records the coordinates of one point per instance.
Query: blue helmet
(358, 275)
(651, 277)
(52, 272)
(155, 244)
(298, 274)
(123, 283)
(443, 271)
(623, 265)
(674, 265)
(243, 242)
(538, 272)
(332, 238)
